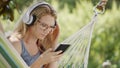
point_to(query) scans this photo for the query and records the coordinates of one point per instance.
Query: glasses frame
(44, 26)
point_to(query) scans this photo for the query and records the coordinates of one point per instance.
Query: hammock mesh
(77, 54)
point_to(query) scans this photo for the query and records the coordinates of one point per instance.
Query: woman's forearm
(37, 64)
(53, 65)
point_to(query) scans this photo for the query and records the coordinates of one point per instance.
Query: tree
(7, 7)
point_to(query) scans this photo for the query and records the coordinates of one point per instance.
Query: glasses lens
(45, 26)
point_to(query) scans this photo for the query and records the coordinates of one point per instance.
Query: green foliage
(106, 38)
(72, 3)
(7, 7)
(72, 22)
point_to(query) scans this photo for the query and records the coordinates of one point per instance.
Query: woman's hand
(50, 56)
(47, 57)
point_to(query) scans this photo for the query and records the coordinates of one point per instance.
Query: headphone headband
(27, 18)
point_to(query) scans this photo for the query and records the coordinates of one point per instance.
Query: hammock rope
(77, 54)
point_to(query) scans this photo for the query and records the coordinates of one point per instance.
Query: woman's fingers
(56, 58)
(58, 52)
(50, 56)
(49, 50)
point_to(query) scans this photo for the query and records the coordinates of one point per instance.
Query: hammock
(77, 54)
(9, 58)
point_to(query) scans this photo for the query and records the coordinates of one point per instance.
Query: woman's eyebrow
(46, 24)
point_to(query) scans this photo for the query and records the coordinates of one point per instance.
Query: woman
(36, 35)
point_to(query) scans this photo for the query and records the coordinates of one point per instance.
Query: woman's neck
(30, 42)
(29, 38)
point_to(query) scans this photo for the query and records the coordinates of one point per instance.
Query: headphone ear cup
(25, 18)
(28, 19)
(32, 20)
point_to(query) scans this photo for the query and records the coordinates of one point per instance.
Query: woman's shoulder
(16, 43)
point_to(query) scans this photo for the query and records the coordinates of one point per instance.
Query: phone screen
(62, 47)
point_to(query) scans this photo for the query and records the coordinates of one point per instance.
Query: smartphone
(62, 47)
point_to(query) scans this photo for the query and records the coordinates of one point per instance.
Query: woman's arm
(37, 64)
(53, 65)
(48, 57)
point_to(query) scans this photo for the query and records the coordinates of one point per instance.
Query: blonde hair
(40, 11)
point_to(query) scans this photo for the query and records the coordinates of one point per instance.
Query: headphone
(30, 19)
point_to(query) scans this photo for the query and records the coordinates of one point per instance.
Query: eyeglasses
(44, 26)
